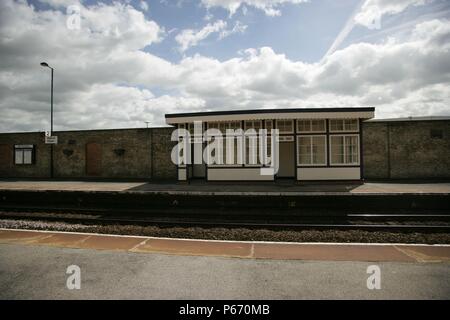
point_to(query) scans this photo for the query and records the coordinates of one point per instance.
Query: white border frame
(310, 145)
(344, 164)
(292, 127)
(245, 125)
(322, 131)
(265, 125)
(343, 130)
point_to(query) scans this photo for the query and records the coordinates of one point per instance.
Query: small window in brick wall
(24, 154)
(436, 133)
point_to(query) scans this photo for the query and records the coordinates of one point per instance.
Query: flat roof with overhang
(260, 114)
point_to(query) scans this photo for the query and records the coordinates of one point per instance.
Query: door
(198, 170)
(5, 158)
(287, 160)
(93, 159)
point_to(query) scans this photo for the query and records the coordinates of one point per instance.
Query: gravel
(241, 234)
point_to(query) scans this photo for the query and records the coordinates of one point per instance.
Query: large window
(23, 154)
(311, 150)
(307, 125)
(285, 126)
(344, 125)
(344, 149)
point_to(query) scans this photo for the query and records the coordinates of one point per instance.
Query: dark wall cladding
(391, 150)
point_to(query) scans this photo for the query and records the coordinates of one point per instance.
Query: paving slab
(426, 253)
(330, 252)
(110, 243)
(204, 248)
(22, 236)
(62, 240)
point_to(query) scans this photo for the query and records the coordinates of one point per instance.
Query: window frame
(324, 121)
(246, 144)
(357, 164)
(269, 131)
(24, 147)
(286, 132)
(343, 125)
(224, 154)
(310, 136)
(253, 123)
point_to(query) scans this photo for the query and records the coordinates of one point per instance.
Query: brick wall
(42, 166)
(391, 150)
(406, 149)
(125, 153)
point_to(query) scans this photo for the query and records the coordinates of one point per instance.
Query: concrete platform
(284, 187)
(234, 249)
(40, 272)
(282, 201)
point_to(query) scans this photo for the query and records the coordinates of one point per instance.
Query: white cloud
(60, 3)
(238, 28)
(188, 37)
(103, 79)
(373, 10)
(144, 5)
(396, 77)
(270, 7)
(369, 13)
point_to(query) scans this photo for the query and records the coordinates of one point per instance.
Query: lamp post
(45, 64)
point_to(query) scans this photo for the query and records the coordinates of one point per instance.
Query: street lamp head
(45, 64)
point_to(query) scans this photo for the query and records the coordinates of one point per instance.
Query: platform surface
(33, 265)
(279, 187)
(235, 249)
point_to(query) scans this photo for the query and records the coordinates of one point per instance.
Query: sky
(118, 64)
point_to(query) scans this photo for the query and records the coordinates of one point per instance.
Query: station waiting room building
(313, 144)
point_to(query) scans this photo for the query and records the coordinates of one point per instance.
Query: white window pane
(351, 149)
(19, 156)
(318, 150)
(285, 126)
(304, 150)
(336, 125)
(350, 124)
(251, 150)
(303, 125)
(317, 125)
(337, 150)
(27, 156)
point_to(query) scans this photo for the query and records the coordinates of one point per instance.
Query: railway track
(373, 222)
